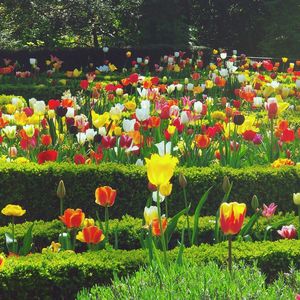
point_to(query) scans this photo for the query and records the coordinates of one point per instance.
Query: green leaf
(245, 230)
(11, 244)
(27, 242)
(173, 224)
(65, 240)
(197, 214)
(181, 249)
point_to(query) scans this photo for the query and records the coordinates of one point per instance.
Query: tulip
(39, 107)
(160, 169)
(296, 198)
(288, 232)
(105, 196)
(61, 193)
(91, 235)
(232, 216)
(150, 213)
(72, 218)
(13, 210)
(48, 155)
(10, 131)
(269, 211)
(2, 261)
(156, 226)
(165, 189)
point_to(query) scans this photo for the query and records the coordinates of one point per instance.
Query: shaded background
(255, 27)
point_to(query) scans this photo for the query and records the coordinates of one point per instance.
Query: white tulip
(163, 148)
(90, 134)
(39, 107)
(198, 106)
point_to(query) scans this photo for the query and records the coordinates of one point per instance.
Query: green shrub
(129, 230)
(191, 281)
(37, 193)
(40, 92)
(61, 276)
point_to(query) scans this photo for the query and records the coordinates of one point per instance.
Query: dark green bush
(61, 276)
(40, 92)
(129, 230)
(37, 193)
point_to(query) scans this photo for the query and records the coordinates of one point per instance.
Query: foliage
(196, 282)
(54, 276)
(39, 195)
(129, 231)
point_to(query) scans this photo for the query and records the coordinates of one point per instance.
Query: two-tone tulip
(232, 216)
(91, 235)
(105, 196)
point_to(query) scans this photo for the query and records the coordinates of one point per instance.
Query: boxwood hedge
(61, 276)
(34, 187)
(129, 230)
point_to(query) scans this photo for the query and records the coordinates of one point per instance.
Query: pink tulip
(297, 297)
(288, 232)
(269, 211)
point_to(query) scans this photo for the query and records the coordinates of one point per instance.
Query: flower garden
(180, 176)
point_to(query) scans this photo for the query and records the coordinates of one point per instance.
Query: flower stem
(106, 221)
(230, 253)
(187, 215)
(162, 235)
(13, 234)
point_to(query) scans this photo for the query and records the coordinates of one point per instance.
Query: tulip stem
(271, 141)
(106, 221)
(61, 206)
(162, 235)
(230, 253)
(187, 215)
(13, 234)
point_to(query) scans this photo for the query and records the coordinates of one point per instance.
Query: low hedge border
(61, 276)
(129, 230)
(37, 193)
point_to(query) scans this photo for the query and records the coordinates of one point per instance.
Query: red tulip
(92, 235)
(288, 232)
(156, 228)
(232, 216)
(48, 155)
(72, 218)
(105, 196)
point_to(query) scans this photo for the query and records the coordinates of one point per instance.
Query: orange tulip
(202, 141)
(232, 216)
(105, 196)
(155, 226)
(73, 218)
(92, 235)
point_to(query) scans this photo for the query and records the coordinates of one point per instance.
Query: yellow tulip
(130, 105)
(99, 120)
(112, 67)
(76, 73)
(88, 222)
(160, 169)
(166, 189)
(284, 59)
(296, 198)
(10, 108)
(118, 130)
(13, 210)
(209, 84)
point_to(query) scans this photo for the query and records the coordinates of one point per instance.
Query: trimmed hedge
(129, 231)
(40, 92)
(61, 276)
(34, 187)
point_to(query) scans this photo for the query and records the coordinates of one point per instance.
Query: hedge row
(61, 276)
(129, 230)
(34, 187)
(40, 92)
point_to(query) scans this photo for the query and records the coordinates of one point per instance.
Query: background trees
(256, 27)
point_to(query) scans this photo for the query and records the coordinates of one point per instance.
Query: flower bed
(64, 274)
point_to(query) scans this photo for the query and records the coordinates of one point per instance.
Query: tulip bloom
(166, 189)
(150, 214)
(296, 198)
(2, 261)
(91, 235)
(105, 196)
(160, 169)
(48, 155)
(156, 228)
(288, 232)
(232, 216)
(269, 211)
(13, 210)
(73, 218)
